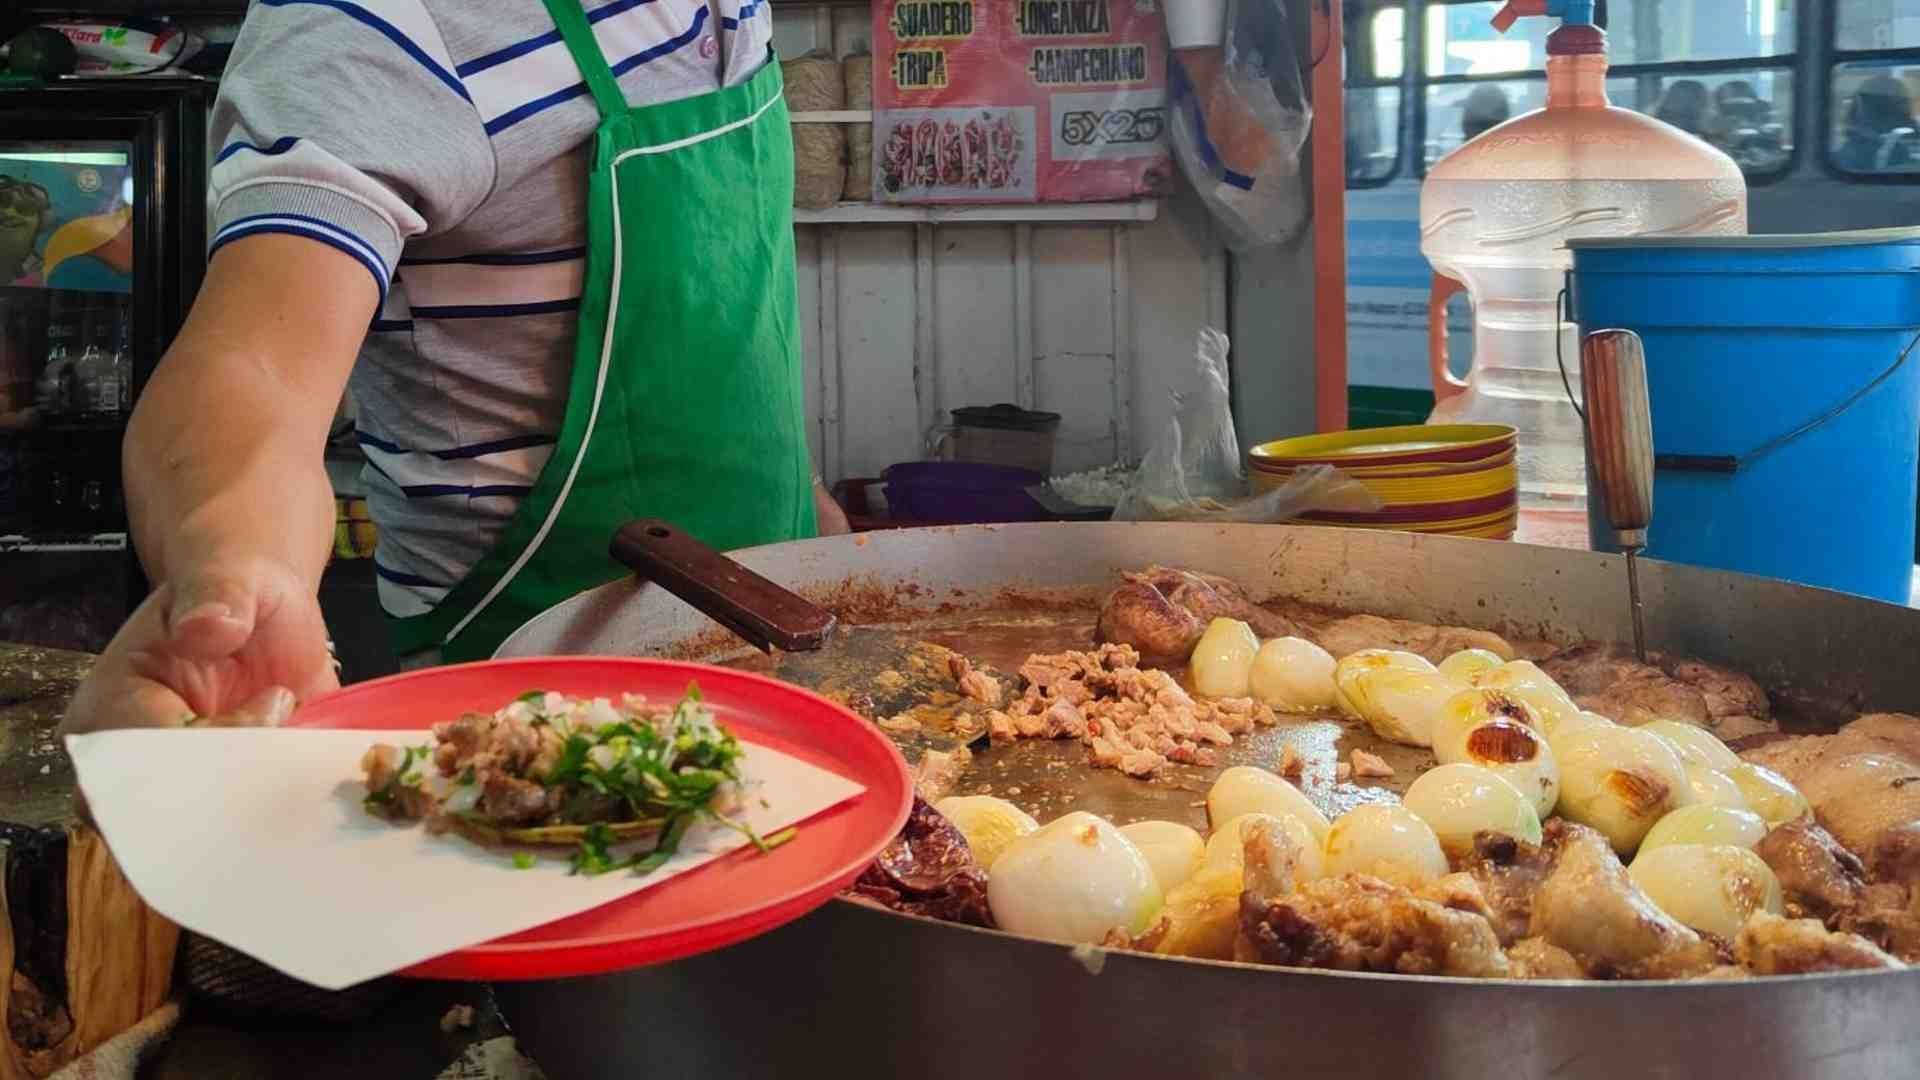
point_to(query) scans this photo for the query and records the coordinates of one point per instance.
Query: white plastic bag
(1239, 118)
(1192, 473)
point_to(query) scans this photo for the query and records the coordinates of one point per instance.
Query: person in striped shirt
(401, 199)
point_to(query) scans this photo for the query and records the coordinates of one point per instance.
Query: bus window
(1876, 24)
(1373, 134)
(1376, 58)
(1875, 128)
(1461, 40)
(1458, 111)
(1663, 31)
(1748, 114)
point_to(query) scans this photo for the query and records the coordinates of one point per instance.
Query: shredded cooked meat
(1771, 945)
(1370, 765)
(977, 685)
(1343, 637)
(939, 771)
(1608, 680)
(1131, 718)
(1361, 923)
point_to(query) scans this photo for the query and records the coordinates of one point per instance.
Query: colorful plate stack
(1457, 479)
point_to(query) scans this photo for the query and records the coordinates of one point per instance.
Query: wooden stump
(84, 956)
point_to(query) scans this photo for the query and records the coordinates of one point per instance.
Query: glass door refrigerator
(102, 248)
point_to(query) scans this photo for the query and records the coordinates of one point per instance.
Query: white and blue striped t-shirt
(444, 144)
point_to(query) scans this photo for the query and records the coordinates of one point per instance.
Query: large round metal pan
(855, 990)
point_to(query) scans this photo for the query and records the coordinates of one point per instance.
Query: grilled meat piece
(1588, 906)
(1343, 637)
(977, 685)
(1818, 878)
(1361, 923)
(1162, 611)
(1608, 680)
(1534, 958)
(508, 800)
(1895, 735)
(1509, 872)
(928, 870)
(1870, 803)
(1771, 945)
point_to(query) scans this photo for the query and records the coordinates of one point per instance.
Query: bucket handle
(1732, 463)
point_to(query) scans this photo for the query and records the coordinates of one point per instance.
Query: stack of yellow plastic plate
(1457, 479)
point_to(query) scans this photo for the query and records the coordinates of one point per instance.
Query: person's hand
(229, 644)
(829, 519)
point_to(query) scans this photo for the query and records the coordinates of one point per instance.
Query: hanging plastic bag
(1239, 116)
(1192, 473)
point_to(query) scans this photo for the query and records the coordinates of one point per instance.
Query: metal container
(865, 992)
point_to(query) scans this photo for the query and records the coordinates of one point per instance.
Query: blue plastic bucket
(1785, 393)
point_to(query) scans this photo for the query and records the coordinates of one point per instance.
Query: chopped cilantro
(533, 697)
(522, 861)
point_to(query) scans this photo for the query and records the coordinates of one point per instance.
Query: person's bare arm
(227, 490)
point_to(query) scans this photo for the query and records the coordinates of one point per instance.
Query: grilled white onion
(1768, 793)
(1223, 659)
(1551, 706)
(1294, 675)
(1353, 665)
(1714, 888)
(1468, 665)
(1173, 850)
(1713, 788)
(988, 823)
(1401, 705)
(1246, 789)
(1073, 881)
(1228, 845)
(1496, 731)
(1695, 745)
(1706, 824)
(1460, 800)
(1386, 841)
(1619, 780)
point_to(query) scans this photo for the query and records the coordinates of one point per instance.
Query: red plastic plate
(733, 897)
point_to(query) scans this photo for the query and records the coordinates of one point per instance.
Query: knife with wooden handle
(1613, 378)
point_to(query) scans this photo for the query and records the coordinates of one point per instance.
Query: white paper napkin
(256, 838)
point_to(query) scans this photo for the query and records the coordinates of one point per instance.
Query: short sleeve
(345, 122)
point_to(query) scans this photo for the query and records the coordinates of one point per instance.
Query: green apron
(685, 401)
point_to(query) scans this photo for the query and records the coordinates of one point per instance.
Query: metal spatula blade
(1613, 377)
(880, 672)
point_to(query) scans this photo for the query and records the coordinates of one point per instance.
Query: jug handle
(1445, 385)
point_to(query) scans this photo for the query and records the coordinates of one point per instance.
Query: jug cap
(1578, 34)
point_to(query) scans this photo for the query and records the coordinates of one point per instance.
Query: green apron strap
(571, 18)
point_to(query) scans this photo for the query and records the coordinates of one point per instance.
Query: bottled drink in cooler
(54, 393)
(1495, 216)
(95, 379)
(123, 363)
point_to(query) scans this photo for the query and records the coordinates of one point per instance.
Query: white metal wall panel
(903, 323)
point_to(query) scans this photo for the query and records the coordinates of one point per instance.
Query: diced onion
(1354, 664)
(1222, 661)
(1460, 800)
(1713, 888)
(988, 823)
(1294, 675)
(1173, 850)
(1706, 824)
(1385, 841)
(1247, 789)
(1695, 745)
(1468, 665)
(1494, 730)
(1619, 780)
(1768, 793)
(1074, 880)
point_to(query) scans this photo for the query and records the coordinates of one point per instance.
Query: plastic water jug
(1495, 216)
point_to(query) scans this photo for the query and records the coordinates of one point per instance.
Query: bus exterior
(1817, 100)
